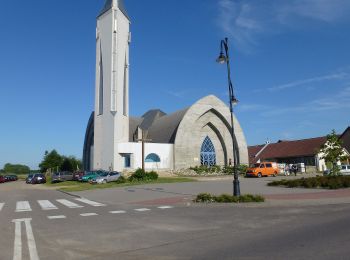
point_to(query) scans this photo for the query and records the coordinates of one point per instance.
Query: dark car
(29, 178)
(62, 176)
(11, 177)
(2, 179)
(38, 178)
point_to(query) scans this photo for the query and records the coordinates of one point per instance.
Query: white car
(107, 177)
(345, 169)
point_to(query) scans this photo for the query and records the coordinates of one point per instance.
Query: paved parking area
(159, 221)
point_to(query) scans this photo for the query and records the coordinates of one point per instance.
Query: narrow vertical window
(100, 88)
(125, 89)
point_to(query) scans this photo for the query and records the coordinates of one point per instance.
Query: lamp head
(234, 100)
(221, 59)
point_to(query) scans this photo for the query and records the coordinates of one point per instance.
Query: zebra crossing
(74, 203)
(47, 205)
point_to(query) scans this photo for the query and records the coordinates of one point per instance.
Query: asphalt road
(56, 229)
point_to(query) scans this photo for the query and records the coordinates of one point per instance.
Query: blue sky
(290, 67)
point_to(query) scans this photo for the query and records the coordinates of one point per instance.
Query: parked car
(62, 176)
(38, 178)
(106, 177)
(263, 169)
(345, 169)
(11, 177)
(78, 175)
(2, 179)
(89, 176)
(29, 178)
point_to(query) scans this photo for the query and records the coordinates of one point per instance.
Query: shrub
(204, 197)
(227, 198)
(121, 179)
(203, 169)
(330, 182)
(141, 175)
(151, 175)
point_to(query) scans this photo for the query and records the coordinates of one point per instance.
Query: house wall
(164, 151)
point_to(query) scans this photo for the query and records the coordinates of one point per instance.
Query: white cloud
(246, 20)
(338, 101)
(297, 83)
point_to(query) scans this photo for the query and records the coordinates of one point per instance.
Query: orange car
(263, 169)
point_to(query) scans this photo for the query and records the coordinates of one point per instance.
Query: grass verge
(71, 186)
(227, 198)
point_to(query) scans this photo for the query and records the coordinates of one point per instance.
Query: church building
(196, 135)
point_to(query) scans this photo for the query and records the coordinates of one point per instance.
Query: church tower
(111, 125)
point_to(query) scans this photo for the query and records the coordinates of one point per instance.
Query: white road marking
(56, 217)
(46, 205)
(23, 206)
(165, 207)
(69, 204)
(1, 206)
(17, 251)
(17, 248)
(118, 212)
(88, 214)
(90, 202)
(141, 210)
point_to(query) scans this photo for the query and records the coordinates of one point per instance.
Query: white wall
(164, 151)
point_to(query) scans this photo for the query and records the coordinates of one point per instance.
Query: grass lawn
(81, 186)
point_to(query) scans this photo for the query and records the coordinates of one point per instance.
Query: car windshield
(30, 175)
(104, 174)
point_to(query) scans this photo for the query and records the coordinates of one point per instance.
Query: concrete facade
(208, 117)
(111, 122)
(112, 137)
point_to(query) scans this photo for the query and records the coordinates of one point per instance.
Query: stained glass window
(208, 156)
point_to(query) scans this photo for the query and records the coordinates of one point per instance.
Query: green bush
(203, 169)
(141, 175)
(204, 197)
(328, 182)
(121, 180)
(151, 175)
(227, 198)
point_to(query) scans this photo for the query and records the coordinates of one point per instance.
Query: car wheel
(259, 175)
(274, 174)
(104, 181)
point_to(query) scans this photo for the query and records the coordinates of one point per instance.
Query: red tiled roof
(285, 149)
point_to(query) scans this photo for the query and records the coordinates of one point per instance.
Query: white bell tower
(112, 85)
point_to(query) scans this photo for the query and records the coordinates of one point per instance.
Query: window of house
(152, 157)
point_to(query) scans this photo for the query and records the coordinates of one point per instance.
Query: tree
(333, 152)
(16, 168)
(51, 160)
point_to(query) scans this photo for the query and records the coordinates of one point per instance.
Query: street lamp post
(224, 58)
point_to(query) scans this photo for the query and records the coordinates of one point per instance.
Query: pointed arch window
(208, 155)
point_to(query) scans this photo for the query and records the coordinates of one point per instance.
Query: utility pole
(143, 140)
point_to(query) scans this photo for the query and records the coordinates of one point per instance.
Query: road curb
(70, 194)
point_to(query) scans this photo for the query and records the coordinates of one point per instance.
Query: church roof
(164, 129)
(160, 127)
(109, 4)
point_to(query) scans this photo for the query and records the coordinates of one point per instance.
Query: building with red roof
(297, 151)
